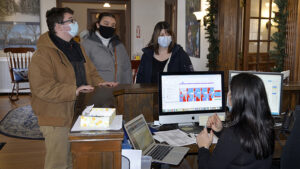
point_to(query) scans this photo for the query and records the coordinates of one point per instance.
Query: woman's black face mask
(106, 31)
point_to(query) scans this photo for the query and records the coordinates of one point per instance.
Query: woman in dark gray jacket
(162, 55)
(106, 50)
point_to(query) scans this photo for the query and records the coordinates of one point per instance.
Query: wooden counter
(133, 100)
(96, 149)
(102, 149)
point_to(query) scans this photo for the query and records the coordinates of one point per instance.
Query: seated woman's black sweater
(228, 154)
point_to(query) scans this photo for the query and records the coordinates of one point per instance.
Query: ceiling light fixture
(106, 5)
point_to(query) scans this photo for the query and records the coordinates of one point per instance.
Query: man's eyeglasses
(70, 20)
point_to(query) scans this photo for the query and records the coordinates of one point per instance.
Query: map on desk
(115, 125)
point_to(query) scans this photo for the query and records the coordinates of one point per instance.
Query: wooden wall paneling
(96, 146)
(229, 34)
(117, 161)
(291, 39)
(82, 160)
(246, 34)
(238, 61)
(133, 100)
(108, 160)
(119, 105)
(138, 104)
(296, 61)
(221, 30)
(104, 154)
(171, 14)
(289, 44)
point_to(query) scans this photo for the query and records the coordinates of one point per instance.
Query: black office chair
(291, 150)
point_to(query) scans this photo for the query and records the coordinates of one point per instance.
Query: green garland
(211, 32)
(279, 37)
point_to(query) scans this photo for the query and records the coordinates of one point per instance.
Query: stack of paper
(178, 138)
(174, 137)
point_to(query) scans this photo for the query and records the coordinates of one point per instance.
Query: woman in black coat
(162, 55)
(247, 138)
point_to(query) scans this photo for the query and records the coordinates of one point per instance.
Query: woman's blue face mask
(164, 41)
(228, 103)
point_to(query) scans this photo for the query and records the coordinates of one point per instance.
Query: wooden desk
(96, 149)
(93, 149)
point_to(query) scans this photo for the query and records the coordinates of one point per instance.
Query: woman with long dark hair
(247, 138)
(162, 55)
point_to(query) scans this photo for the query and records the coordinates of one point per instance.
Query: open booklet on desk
(177, 137)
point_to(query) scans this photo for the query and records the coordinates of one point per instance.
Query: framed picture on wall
(192, 29)
(19, 23)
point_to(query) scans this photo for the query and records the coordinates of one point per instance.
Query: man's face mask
(74, 29)
(106, 31)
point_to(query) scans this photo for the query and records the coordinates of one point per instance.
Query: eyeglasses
(70, 20)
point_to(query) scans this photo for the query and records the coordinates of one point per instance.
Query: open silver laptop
(141, 138)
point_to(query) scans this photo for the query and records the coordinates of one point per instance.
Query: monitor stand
(190, 127)
(185, 127)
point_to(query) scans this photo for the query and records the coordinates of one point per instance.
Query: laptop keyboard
(159, 152)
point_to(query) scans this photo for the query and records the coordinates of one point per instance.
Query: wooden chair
(18, 60)
(134, 66)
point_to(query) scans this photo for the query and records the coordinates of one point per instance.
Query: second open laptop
(141, 138)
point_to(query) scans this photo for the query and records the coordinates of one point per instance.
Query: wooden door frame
(246, 40)
(169, 13)
(246, 35)
(127, 15)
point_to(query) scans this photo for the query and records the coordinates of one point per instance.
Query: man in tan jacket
(58, 72)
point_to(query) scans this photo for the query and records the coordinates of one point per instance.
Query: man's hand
(85, 89)
(108, 84)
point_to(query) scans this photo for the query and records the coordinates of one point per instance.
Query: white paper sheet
(215, 138)
(174, 137)
(115, 125)
(177, 137)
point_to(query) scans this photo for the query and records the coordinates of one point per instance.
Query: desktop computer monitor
(273, 84)
(185, 97)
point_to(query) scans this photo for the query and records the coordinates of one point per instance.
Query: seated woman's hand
(215, 123)
(108, 84)
(204, 139)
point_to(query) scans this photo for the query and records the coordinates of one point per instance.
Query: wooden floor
(19, 153)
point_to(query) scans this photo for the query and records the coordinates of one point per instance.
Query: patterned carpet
(21, 123)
